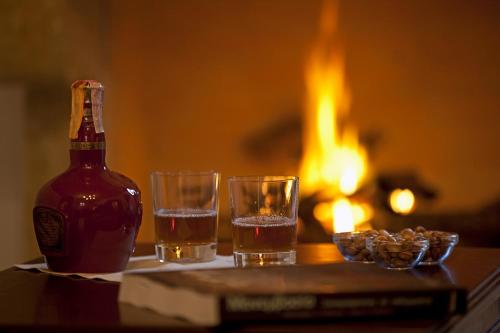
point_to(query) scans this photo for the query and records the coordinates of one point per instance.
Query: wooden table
(34, 301)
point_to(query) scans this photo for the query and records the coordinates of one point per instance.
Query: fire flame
(332, 157)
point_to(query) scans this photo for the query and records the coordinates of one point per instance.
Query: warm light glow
(402, 201)
(343, 216)
(332, 158)
(178, 252)
(362, 213)
(325, 212)
(264, 188)
(288, 190)
(261, 259)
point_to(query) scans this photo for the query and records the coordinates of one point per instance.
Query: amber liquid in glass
(264, 239)
(186, 235)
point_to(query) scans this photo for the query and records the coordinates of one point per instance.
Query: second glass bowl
(441, 245)
(397, 253)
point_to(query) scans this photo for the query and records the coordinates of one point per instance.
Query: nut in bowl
(352, 245)
(396, 252)
(441, 245)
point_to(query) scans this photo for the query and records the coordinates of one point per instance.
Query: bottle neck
(87, 158)
(88, 149)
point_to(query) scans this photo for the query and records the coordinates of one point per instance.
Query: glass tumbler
(185, 207)
(264, 219)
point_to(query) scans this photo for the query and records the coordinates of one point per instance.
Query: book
(300, 292)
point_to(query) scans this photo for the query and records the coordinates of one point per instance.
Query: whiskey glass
(264, 219)
(185, 207)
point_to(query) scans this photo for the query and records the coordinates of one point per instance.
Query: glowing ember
(332, 158)
(402, 201)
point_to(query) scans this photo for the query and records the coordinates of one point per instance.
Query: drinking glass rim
(185, 173)
(262, 179)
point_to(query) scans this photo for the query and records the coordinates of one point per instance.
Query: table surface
(31, 300)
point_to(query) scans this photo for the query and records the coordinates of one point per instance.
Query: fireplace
(340, 188)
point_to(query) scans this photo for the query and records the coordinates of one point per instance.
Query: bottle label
(86, 145)
(49, 230)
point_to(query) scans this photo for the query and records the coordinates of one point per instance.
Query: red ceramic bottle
(87, 219)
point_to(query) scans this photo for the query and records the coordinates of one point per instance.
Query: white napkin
(140, 265)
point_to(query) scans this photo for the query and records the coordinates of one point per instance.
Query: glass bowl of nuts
(352, 245)
(441, 244)
(396, 252)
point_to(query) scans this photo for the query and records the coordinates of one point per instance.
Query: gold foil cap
(86, 92)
